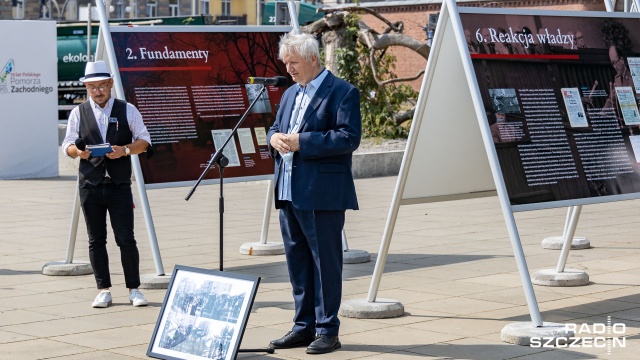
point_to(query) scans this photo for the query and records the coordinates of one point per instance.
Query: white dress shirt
(134, 118)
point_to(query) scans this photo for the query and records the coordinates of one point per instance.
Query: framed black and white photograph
(204, 315)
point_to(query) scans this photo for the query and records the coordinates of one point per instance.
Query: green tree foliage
(378, 103)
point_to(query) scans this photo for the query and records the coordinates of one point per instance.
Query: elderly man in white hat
(105, 181)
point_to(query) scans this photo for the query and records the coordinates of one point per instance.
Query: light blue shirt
(303, 98)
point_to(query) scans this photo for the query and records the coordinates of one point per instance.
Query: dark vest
(92, 170)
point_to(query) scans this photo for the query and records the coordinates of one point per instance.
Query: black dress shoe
(291, 340)
(324, 344)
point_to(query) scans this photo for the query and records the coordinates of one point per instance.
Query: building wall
(215, 7)
(414, 17)
(238, 8)
(162, 8)
(32, 9)
(245, 7)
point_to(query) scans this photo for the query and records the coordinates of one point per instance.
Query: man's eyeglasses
(96, 88)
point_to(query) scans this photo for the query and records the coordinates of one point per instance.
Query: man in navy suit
(317, 128)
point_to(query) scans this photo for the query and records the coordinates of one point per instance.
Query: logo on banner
(606, 336)
(12, 81)
(4, 75)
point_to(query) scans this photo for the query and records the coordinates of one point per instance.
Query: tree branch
(371, 39)
(388, 81)
(399, 118)
(391, 81)
(387, 40)
(334, 19)
(363, 9)
(328, 22)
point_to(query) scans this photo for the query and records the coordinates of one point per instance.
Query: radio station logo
(12, 81)
(606, 336)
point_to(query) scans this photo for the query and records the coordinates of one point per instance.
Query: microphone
(277, 81)
(80, 144)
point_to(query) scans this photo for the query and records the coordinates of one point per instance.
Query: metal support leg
(570, 229)
(351, 256)
(68, 267)
(267, 212)
(345, 245)
(73, 232)
(561, 276)
(557, 242)
(263, 247)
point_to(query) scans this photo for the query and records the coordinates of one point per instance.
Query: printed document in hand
(100, 149)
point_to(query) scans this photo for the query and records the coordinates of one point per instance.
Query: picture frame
(204, 314)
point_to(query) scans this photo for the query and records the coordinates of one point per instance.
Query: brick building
(250, 9)
(415, 15)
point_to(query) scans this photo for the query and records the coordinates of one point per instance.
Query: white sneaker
(102, 300)
(137, 299)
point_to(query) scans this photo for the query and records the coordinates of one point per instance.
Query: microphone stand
(222, 161)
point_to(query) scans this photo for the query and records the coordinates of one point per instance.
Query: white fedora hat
(96, 71)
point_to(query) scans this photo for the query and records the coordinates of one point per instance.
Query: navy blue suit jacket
(330, 131)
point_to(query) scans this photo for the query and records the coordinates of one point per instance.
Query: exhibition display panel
(561, 99)
(190, 85)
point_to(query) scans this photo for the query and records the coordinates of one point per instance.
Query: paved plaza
(450, 264)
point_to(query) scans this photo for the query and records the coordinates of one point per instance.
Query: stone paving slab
(450, 264)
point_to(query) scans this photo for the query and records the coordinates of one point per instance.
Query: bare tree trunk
(332, 40)
(332, 28)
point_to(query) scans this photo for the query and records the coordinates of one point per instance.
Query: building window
(18, 9)
(45, 9)
(152, 9)
(174, 7)
(118, 9)
(204, 7)
(226, 7)
(260, 12)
